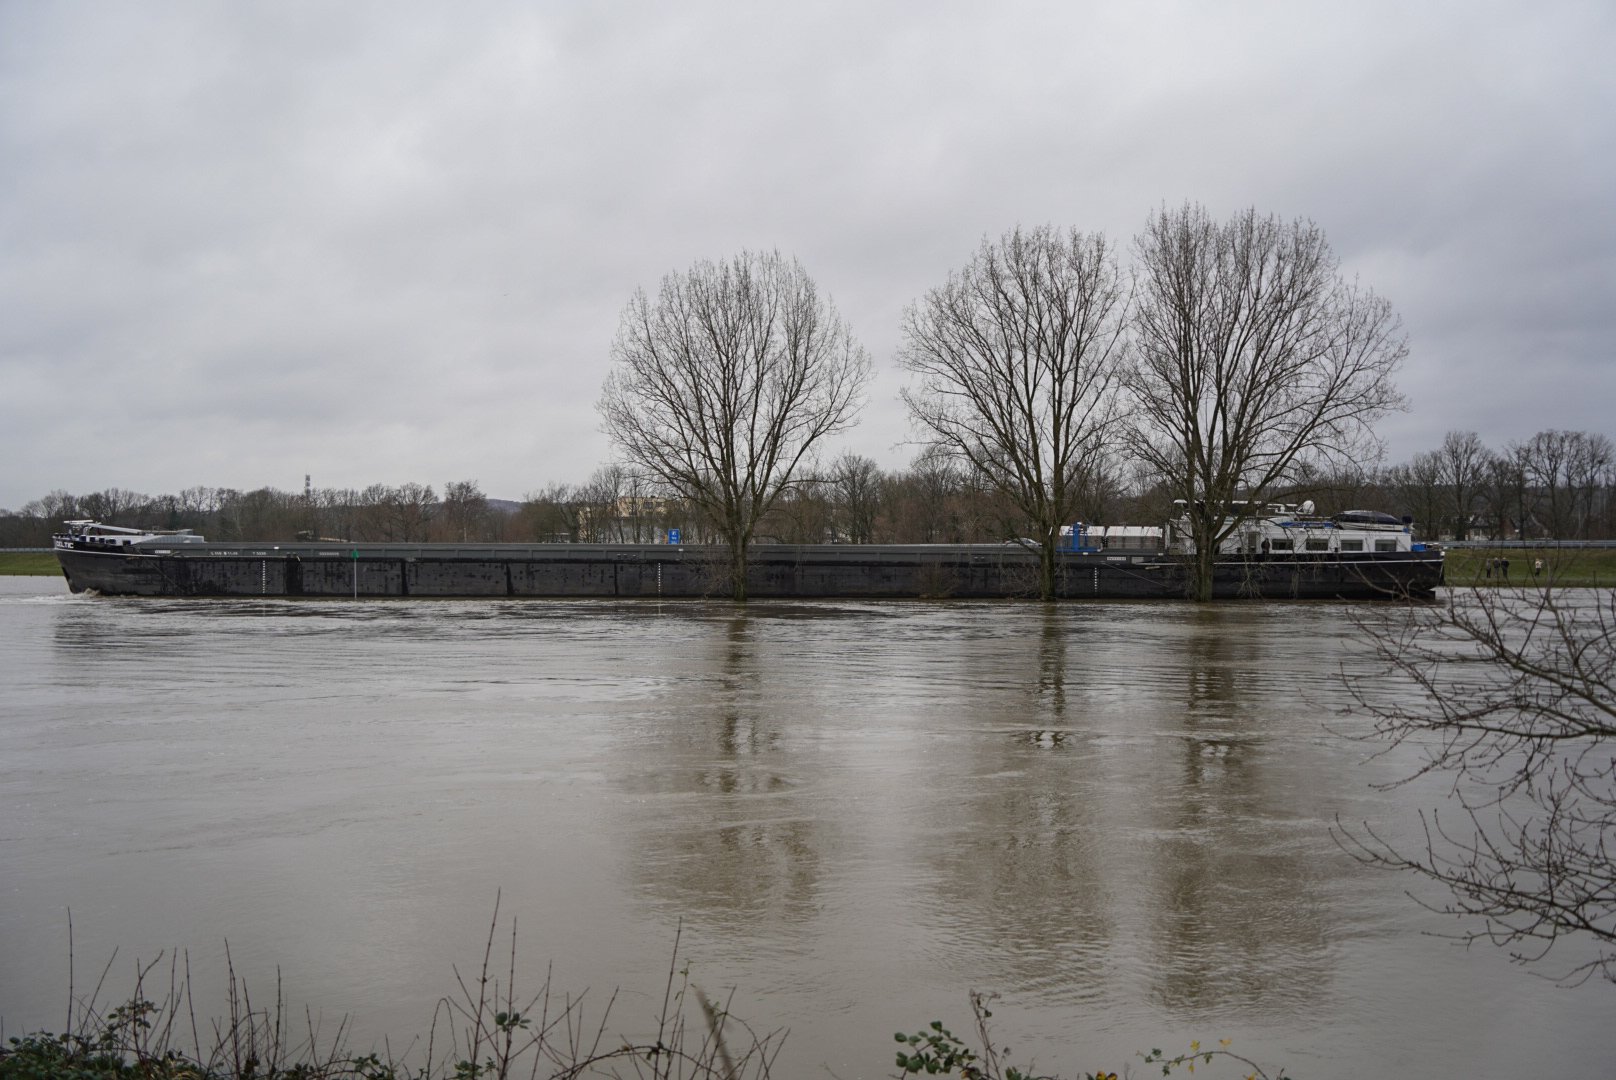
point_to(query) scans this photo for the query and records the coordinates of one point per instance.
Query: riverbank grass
(1563, 568)
(29, 564)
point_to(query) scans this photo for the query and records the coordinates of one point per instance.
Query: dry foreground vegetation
(484, 1030)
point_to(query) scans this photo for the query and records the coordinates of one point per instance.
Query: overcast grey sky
(380, 242)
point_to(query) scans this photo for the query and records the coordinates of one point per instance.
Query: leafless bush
(1513, 702)
(485, 1031)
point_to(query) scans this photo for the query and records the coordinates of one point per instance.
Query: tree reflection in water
(1236, 920)
(754, 854)
(1019, 872)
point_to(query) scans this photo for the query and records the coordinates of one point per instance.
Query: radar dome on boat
(1306, 507)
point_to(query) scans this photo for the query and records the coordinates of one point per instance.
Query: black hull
(689, 572)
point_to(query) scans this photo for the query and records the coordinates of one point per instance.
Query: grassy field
(32, 563)
(1563, 567)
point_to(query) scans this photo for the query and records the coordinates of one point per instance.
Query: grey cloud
(391, 241)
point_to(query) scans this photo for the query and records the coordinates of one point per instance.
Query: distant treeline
(1555, 485)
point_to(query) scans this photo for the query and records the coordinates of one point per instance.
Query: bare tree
(601, 502)
(57, 507)
(1462, 465)
(803, 515)
(1547, 457)
(1565, 473)
(464, 510)
(1505, 495)
(1605, 503)
(1253, 356)
(724, 385)
(413, 509)
(395, 514)
(553, 515)
(338, 512)
(924, 501)
(1417, 488)
(112, 506)
(1514, 702)
(1017, 364)
(856, 481)
(1588, 472)
(1354, 485)
(642, 508)
(370, 513)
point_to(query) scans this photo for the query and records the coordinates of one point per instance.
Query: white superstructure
(1281, 529)
(94, 536)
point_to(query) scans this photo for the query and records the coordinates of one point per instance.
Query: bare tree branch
(1017, 365)
(1511, 696)
(722, 388)
(1254, 358)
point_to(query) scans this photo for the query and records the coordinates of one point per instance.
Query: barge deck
(156, 565)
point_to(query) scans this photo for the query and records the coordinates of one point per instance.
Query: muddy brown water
(1116, 816)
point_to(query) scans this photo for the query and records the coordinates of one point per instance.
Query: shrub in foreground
(482, 1032)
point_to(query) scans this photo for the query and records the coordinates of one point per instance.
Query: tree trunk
(1255, 361)
(1201, 583)
(1202, 564)
(737, 570)
(721, 389)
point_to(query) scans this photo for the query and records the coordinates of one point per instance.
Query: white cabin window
(1318, 544)
(1352, 545)
(1283, 545)
(1385, 545)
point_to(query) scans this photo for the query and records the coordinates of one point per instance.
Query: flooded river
(1116, 816)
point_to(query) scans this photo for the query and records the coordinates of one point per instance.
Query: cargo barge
(1282, 555)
